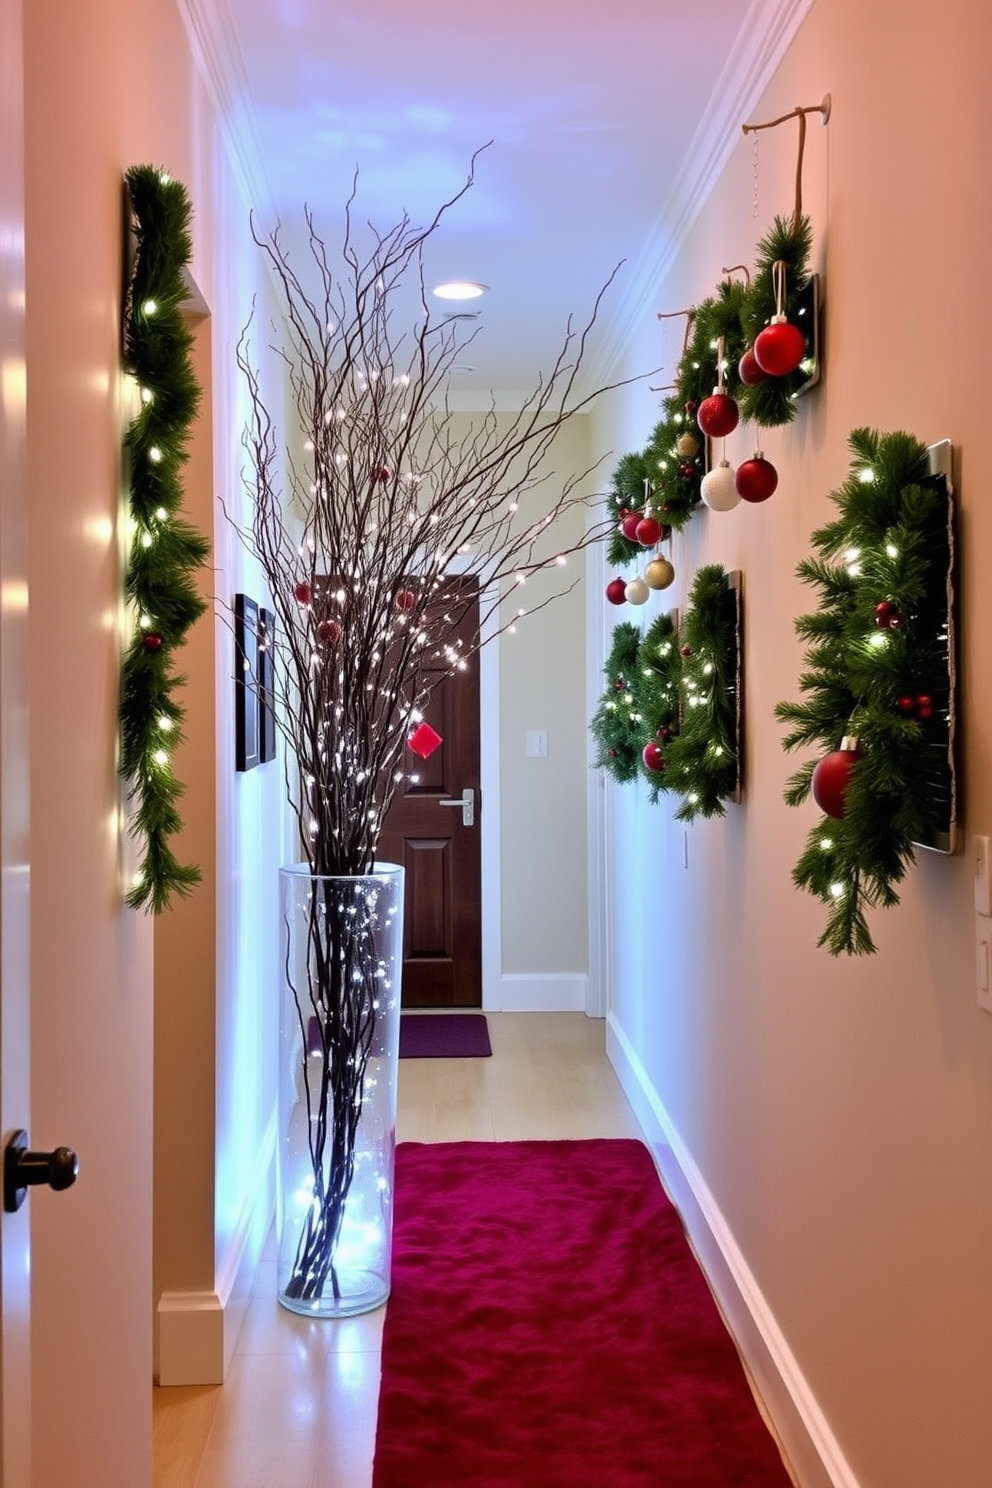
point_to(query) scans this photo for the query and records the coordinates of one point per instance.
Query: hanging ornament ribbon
(778, 285)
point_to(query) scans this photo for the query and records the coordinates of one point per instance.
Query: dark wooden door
(442, 924)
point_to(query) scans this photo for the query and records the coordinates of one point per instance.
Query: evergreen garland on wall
(877, 671)
(164, 550)
(616, 725)
(671, 706)
(663, 479)
(702, 759)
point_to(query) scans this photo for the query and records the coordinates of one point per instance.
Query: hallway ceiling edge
(596, 116)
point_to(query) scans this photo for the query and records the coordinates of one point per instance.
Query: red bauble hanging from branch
(756, 478)
(748, 369)
(616, 591)
(718, 415)
(629, 524)
(648, 532)
(832, 777)
(652, 756)
(781, 346)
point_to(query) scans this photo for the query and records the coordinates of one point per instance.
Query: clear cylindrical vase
(341, 958)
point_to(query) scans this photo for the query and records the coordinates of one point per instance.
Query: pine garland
(887, 684)
(702, 759)
(663, 481)
(165, 550)
(772, 402)
(617, 726)
(657, 694)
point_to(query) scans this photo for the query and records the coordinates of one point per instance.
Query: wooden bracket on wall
(823, 109)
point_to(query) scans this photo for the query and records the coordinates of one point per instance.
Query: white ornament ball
(637, 592)
(717, 488)
(659, 574)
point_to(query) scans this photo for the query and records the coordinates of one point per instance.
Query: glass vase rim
(379, 870)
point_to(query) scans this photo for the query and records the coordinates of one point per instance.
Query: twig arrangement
(380, 497)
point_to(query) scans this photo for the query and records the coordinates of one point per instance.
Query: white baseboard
(551, 992)
(806, 1436)
(198, 1331)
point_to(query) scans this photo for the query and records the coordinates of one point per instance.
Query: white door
(15, 1372)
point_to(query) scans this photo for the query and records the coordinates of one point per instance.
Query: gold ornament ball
(687, 445)
(659, 574)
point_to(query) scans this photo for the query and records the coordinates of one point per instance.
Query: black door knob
(22, 1169)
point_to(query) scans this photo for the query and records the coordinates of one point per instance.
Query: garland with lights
(616, 724)
(659, 664)
(701, 760)
(165, 550)
(734, 340)
(877, 680)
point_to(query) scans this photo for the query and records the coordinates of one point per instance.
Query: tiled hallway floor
(298, 1409)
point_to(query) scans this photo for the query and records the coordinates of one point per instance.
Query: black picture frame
(938, 636)
(246, 704)
(266, 686)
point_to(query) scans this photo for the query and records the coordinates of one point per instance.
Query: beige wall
(543, 823)
(839, 1112)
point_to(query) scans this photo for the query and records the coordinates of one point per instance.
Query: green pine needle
(166, 550)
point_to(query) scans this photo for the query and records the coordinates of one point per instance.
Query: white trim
(542, 992)
(213, 41)
(766, 34)
(597, 882)
(490, 818)
(237, 1267)
(807, 1438)
(198, 1331)
(190, 1339)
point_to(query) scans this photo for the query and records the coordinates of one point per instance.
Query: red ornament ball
(329, 632)
(718, 415)
(629, 525)
(749, 370)
(756, 479)
(664, 733)
(690, 407)
(152, 641)
(780, 347)
(652, 756)
(302, 592)
(405, 599)
(923, 707)
(381, 473)
(887, 617)
(686, 650)
(613, 754)
(648, 532)
(616, 591)
(832, 777)
(687, 469)
(906, 705)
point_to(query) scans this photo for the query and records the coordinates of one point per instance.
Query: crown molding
(765, 36)
(217, 55)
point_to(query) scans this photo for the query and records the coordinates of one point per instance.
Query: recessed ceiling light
(459, 289)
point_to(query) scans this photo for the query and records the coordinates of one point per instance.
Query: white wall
(835, 1116)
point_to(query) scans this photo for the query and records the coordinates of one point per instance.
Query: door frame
(15, 994)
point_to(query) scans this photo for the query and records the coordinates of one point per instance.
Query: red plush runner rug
(549, 1327)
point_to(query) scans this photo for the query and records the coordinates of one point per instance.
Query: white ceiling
(606, 123)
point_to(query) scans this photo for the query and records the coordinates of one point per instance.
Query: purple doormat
(444, 1036)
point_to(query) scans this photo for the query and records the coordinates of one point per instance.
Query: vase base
(361, 1291)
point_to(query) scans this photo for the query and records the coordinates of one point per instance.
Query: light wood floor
(298, 1409)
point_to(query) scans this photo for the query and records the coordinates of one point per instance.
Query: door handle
(467, 803)
(22, 1169)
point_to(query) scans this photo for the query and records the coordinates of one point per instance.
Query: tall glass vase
(342, 955)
